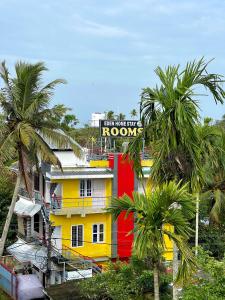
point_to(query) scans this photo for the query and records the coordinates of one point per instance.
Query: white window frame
(76, 241)
(98, 233)
(85, 192)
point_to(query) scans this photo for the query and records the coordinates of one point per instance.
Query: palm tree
(121, 116)
(133, 113)
(170, 113)
(171, 119)
(168, 204)
(28, 125)
(110, 115)
(213, 139)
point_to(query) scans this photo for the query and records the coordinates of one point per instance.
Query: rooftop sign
(117, 128)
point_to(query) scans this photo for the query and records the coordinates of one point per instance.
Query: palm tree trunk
(156, 282)
(9, 215)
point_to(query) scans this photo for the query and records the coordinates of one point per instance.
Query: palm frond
(188, 264)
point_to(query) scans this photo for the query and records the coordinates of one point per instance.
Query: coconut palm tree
(110, 115)
(133, 113)
(28, 125)
(168, 204)
(121, 117)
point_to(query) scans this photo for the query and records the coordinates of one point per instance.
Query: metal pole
(49, 252)
(197, 224)
(143, 148)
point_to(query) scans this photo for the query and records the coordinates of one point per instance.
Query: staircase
(76, 260)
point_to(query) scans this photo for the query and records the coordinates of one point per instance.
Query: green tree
(110, 115)
(122, 280)
(121, 116)
(171, 117)
(28, 125)
(209, 283)
(133, 113)
(7, 180)
(168, 204)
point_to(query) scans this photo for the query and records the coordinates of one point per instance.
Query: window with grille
(98, 233)
(85, 188)
(77, 236)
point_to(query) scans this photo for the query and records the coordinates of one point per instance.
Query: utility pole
(49, 252)
(196, 224)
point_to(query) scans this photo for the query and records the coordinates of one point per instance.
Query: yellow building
(79, 196)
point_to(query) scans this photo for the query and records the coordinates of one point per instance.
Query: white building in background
(95, 117)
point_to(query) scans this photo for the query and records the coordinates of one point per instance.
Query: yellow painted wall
(168, 254)
(71, 198)
(99, 163)
(147, 163)
(88, 249)
(71, 193)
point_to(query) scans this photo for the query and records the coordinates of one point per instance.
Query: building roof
(81, 173)
(29, 252)
(25, 207)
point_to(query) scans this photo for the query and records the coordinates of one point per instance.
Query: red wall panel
(125, 186)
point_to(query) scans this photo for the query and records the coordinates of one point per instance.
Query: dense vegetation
(124, 281)
(209, 283)
(7, 180)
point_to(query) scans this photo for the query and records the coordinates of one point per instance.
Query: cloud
(98, 29)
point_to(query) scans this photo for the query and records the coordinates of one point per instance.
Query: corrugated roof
(24, 252)
(81, 172)
(25, 207)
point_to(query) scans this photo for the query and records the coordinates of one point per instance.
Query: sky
(107, 50)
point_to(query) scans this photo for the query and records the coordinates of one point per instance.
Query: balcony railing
(36, 195)
(79, 205)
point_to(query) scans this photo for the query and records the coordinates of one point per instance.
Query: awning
(25, 207)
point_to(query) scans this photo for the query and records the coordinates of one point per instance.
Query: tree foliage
(123, 281)
(7, 180)
(28, 124)
(169, 204)
(170, 115)
(209, 282)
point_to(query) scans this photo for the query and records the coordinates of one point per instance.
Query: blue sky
(107, 50)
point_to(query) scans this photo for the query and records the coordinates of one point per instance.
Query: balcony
(36, 196)
(79, 206)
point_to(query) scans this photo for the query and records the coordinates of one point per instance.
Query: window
(36, 222)
(77, 236)
(85, 188)
(98, 233)
(36, 182)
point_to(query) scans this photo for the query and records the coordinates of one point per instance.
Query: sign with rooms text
(114, 128)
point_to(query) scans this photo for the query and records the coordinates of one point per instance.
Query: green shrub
(122, 281)
(209, 283)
